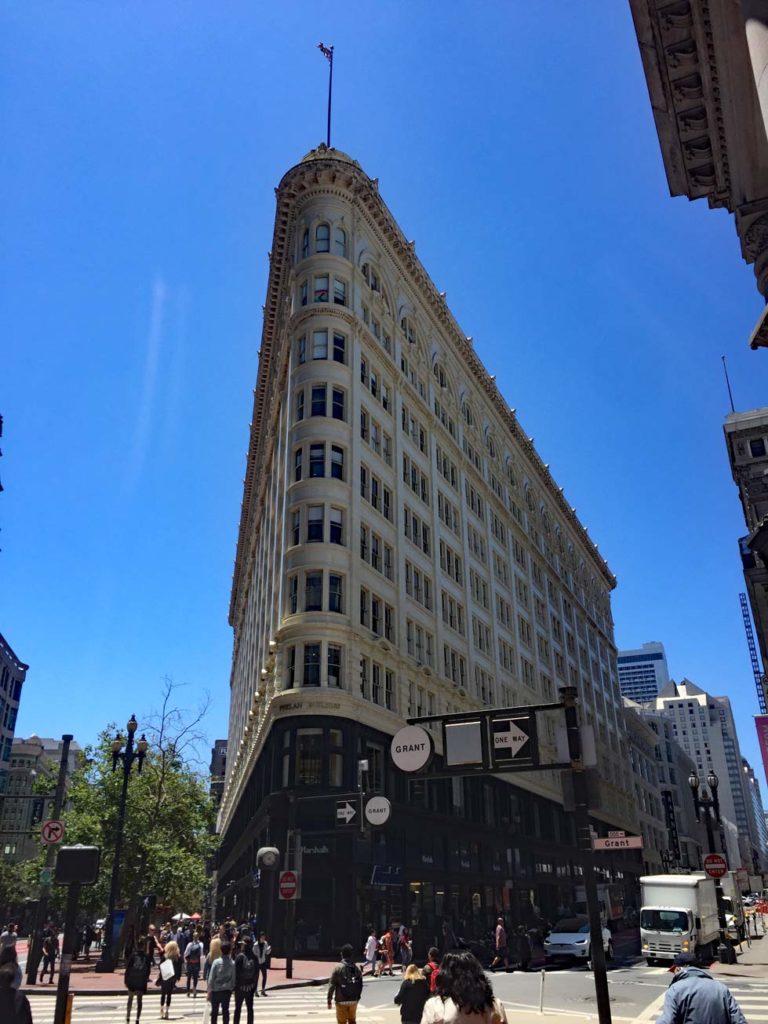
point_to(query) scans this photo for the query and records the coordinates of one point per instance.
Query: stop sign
(288, 885)
(715, 865)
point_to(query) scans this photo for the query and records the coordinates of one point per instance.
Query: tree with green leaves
(169, 820)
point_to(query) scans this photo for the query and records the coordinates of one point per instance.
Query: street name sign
(288, 885)
(411, 748)
(346, 812)
(621, 843)
(378, 810)
(52, 832)
(715, 865)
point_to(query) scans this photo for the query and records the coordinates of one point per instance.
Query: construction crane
(756, 671)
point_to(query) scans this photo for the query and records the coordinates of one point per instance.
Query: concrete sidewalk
(752, 962)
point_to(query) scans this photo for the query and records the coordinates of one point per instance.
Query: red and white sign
(288, 885)
(715, 865)
(52, 832)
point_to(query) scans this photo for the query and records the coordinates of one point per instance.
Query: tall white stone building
(403, 550)
(643, 672)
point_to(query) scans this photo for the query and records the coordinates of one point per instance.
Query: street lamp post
(711, 804)
(108, 959)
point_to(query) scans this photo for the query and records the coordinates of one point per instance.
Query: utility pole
(569, 698)
(36, 949)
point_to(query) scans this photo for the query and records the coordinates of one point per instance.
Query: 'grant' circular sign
(377, 810)
(411, 748)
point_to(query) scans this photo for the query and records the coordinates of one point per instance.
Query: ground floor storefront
(454, 855)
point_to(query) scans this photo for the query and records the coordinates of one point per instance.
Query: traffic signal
(267, 858)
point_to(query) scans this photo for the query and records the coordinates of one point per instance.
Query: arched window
(440, 375)
(466, 412)
(322, 238)
(305, 244)
(490, 444)
(407, 328)
(340, 242)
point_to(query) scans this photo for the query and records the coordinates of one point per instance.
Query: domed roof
(323, 152)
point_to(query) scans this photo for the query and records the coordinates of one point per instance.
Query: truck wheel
(650, 961)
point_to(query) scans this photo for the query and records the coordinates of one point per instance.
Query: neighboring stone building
(685, 836)
(704, 726)
(643, 672)
(757, 830)
(403, 550)
(645, 777)
(13, 672)
(218, 769)
(746, 437)
(705, 64)
(22, 810)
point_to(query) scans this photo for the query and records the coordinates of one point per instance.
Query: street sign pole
(36, 946)
(292, 863)
(584, 844)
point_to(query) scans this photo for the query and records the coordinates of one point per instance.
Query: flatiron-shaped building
(403, 550)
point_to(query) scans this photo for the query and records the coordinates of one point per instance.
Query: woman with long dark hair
(463, 994)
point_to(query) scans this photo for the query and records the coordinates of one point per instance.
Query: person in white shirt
(371, 947)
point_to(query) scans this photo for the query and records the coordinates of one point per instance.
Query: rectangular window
(321, 289)
(297, 465)
(336, 523)
(337, 404)
(296, 526)
(303, 292)
(315, 524)
(313, 592)
(291, 666)
(299, 405)
(339, 292)
(389, 690)
(317, 460)
(337, 462)
(335, 593)
(311, 664)
(293, 595)
(301, 349)
(334, 665)
(319, 392)
(320, 344)
(339, 348)
(365, 606)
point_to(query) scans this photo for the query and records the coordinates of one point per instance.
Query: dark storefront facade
(454, 854)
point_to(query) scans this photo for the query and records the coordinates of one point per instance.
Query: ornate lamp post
(711, 804)
(108, 959)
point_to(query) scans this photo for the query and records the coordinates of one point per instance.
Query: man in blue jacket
(695, 997)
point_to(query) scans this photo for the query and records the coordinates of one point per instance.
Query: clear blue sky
(513, 141)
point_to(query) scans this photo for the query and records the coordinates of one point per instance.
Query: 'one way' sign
(346, 812)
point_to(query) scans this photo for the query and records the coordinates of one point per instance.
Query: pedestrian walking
(695, 996)
(413, 994)
(193, 958)
(345, 987)
(136, 977)
(431, 968)
(14, 1005)
(8, 936)
(369, 952)
(522, 948)
(221, 982)
(263, 952)
(246, 979)
(170, 972)
(154, 944)
(406, 948)
(388, 948)
(500, 945)
(463, 994)
(50, 952)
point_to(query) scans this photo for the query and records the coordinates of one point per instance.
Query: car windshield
(664, 920)
(572, 924)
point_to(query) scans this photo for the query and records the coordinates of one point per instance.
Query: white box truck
(678, 914)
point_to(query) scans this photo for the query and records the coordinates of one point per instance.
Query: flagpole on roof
(327, 52)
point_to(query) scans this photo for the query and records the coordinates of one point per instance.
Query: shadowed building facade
(402, 551)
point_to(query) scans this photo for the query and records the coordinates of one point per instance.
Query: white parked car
(569, 940)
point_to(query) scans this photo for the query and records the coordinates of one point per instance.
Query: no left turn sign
(52, 832)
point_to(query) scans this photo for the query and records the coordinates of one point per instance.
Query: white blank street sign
(627, 843)
(463, 743)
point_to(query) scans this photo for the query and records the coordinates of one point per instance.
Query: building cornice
(331, 173)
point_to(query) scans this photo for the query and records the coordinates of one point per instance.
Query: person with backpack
(246, 979)
(50, 952)
(137, 968)
(263, 952)
(431, 969)
(413, 994)
(221, 982)
(193, 956)
(345, 987)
